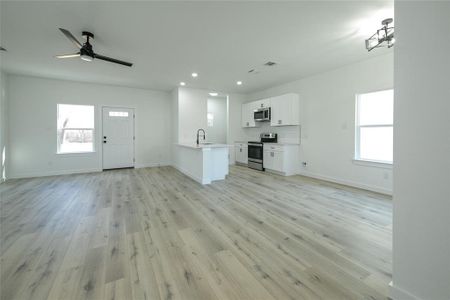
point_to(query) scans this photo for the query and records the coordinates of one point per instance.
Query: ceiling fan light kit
(86, 52)
(383, 37)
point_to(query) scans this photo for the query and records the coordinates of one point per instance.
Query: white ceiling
(167, 41)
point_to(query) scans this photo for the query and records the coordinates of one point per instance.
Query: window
(210, 119)
(374, 126)
(75, 128)
(118, 114)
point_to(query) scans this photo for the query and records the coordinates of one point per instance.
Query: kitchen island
(204, 163)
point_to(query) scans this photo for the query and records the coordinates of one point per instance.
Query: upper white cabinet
(285, 110)
(248, 109)
(263, 103)
(247, 114)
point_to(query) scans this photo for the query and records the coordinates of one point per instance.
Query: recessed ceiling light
(213, 94)
(194, 75)
(239, 82)
(182, 83)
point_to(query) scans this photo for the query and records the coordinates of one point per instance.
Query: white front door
(118, 137)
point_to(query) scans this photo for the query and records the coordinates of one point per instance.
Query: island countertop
(202, 146)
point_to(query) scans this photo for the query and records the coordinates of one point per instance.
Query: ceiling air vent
(270, 63)
(253, 71)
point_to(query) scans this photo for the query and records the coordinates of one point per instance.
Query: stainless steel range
(255, 150)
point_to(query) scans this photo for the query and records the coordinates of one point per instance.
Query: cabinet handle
(262, 104)
(240, 150)
(279, 121)
(272, 154)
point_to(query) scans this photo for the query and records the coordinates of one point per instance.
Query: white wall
(189, 107)
(235, 130)
(32, 124)
(327, 120)
(218, 132)
(421, 267)
(192, 109)
(4, 151)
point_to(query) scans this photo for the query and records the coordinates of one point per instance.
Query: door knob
(104, 142)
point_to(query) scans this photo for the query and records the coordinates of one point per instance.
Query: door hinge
(134, 138)
(134, 116)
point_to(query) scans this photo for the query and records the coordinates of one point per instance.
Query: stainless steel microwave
(261, 114)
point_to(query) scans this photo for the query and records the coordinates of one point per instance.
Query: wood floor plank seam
(154, 233)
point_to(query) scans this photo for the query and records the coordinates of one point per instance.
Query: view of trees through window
(75, 125)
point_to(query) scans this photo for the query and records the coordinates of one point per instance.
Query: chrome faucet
(198, 135)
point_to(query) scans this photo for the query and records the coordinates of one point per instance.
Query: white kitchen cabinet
(281, 158)
(241, 153)
(273, 160)
(248, 109)
(285, 110)
(248, 119)
(263, 103)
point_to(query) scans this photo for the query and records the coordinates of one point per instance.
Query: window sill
(75, 153)
(371, 163)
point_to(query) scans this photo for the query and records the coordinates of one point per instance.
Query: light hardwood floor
(156, 234)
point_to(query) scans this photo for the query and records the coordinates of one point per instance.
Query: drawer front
(277, 148)
(241, 145)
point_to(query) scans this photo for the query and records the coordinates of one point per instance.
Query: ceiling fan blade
(68, 55)
(113, 60)
(71, 37)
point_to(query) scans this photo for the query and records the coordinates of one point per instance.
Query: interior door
(118, 137)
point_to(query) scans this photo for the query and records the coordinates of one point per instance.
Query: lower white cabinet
(273, 160)
(281, 158)
(241, 153)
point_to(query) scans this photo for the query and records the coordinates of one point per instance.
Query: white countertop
(202, 146)
(280, 144)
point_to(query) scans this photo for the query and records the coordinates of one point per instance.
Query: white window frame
(357, 158)
(73, 128)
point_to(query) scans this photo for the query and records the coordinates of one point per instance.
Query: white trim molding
(371, 163)
(397, 293)
(150, 165)
(53, 173)
(363, 186)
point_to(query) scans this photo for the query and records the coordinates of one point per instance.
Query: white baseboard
(363, 186)
(151, 165)
(53, 173)
(77, 171)
(397, 293)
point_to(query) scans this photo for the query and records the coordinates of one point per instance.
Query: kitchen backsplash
(286, 134)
